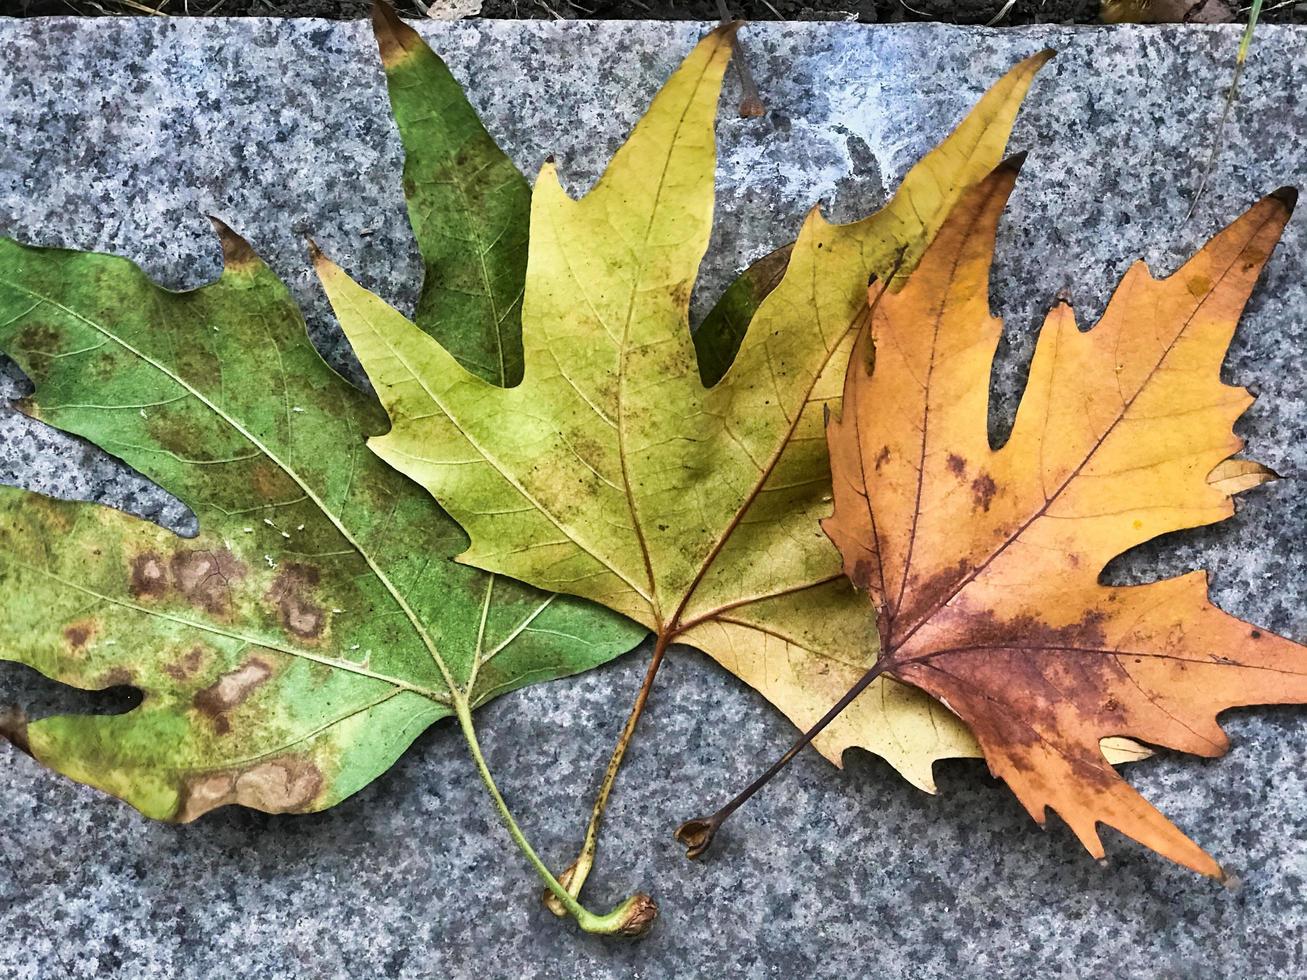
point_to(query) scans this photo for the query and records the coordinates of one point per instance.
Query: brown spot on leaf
(268, 481)
(117, 677)
(1027, 632)
(882, 457)
(35, 345)
(299, 614)
(861, 574)
(289, 784)
(983, 489)
(927, 593)
(1255, 634)
(230, 690)
(204, 577)
(680, 294)
(957, 465)
(79, 634)
(1198, 286)
(187, 666)
(148, 578)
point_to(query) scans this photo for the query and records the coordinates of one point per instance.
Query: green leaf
(294, 648)
(718, 338)
(468, 205)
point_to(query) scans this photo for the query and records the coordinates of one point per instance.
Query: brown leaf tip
(237, 254)
(13, 728)
(395, 39)
(728, 31)
(1013, 164)
(1287, 195)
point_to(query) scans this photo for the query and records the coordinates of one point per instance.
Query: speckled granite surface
(121, 134)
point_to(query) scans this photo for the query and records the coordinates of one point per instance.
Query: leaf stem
(697, 834)
(574, 877)
(751, 106)
(1231, 94)
(632, 918)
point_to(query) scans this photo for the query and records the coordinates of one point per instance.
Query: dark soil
(867, 11)
(956, 11)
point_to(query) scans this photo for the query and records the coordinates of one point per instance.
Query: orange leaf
(984, 563)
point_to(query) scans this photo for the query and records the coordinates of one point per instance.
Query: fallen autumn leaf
(983, 564)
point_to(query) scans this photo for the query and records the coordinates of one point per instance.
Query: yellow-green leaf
(611, 472)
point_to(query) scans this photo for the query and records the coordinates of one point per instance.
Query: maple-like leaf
(293, 650)
(983, 564)
(612, 472)
(441, 136)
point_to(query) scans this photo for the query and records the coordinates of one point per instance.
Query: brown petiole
(697, 834)
(751, 106)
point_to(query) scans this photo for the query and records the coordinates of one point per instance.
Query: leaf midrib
(482, 251)
(363, 553)
(763, 476)
(894, 645)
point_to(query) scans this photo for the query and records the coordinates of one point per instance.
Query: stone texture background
(119, 135)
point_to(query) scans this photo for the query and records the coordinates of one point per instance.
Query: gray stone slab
(120, 135)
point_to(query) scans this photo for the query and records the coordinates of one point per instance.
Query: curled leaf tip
(1236, 475)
